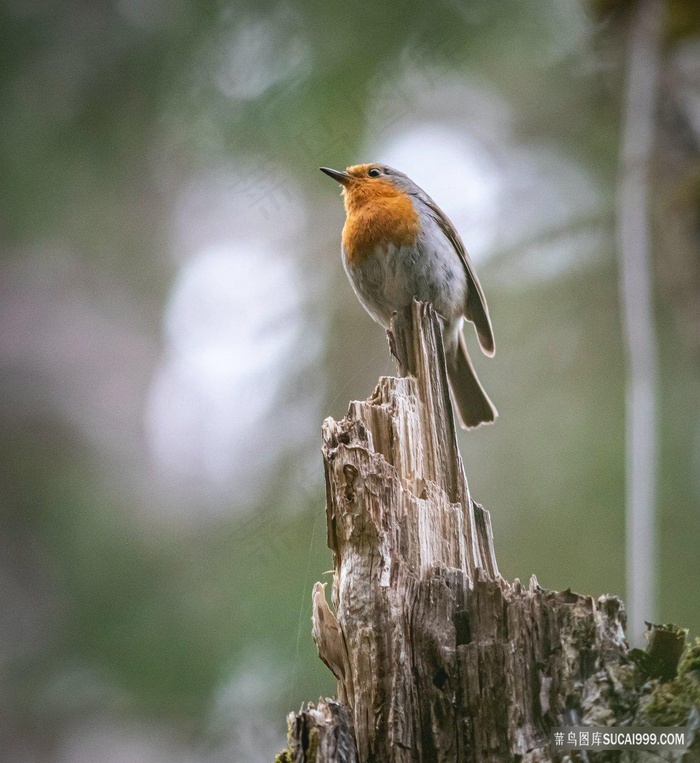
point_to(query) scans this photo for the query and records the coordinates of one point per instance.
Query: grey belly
(390, 278)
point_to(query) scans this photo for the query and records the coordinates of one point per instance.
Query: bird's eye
(374, 172)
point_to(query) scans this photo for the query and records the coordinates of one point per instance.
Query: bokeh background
(175, 324)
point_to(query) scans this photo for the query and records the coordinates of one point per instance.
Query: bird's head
(365, 183)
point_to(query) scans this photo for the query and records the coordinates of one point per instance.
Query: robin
(399, 245)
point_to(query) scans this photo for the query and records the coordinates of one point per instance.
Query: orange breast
(377, 215)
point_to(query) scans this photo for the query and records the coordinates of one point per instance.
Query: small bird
(398, 245)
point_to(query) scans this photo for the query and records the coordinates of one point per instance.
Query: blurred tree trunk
(438, 658)
(636, 298)
(675, 177)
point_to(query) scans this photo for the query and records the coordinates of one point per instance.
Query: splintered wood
(438, 658)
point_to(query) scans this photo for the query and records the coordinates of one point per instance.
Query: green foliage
(670, 701)
(690, 662)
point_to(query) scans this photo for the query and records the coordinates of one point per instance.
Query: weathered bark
(437, 657)
(322, 733)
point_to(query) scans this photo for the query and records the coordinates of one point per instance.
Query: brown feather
(476, 309)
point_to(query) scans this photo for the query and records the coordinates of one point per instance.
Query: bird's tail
(472, 403)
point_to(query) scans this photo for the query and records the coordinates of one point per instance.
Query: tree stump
(438, 658)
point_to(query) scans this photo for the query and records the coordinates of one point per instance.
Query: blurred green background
(175, 324)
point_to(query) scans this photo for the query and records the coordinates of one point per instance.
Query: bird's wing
(476, 310)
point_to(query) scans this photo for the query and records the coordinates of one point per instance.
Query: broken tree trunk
(438, 658)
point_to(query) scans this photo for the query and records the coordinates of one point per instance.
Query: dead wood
(438, 658)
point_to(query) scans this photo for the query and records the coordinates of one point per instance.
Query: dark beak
(342, 177)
